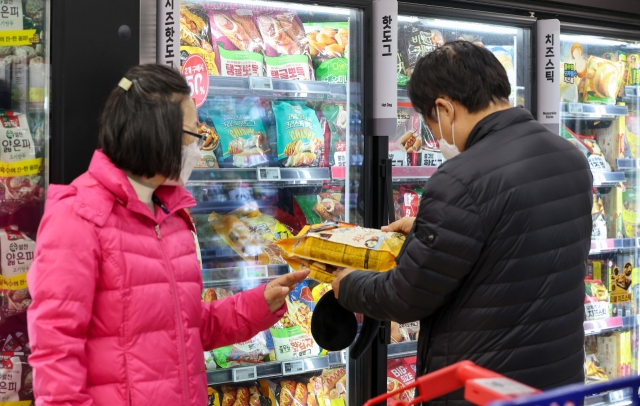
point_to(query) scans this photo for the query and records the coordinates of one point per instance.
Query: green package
(329, 48)
(300, 135)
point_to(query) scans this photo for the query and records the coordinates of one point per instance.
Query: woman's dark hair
(141, 128)
(462, 71)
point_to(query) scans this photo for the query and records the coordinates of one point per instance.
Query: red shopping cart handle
(481, 386)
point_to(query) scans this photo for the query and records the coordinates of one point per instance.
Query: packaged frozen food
(633, 62)
(620, 278)
(399, 375)
(598, 216)
(407, 139)
(595, 373)
(401, 71)
(229, 394)
(237, 42)
(300, 135)
(325, 246)
(213, 397)
(404, 332)
(329, 49)
(16, 379)
(589, 147)
(329, 204)
(239, 124)
(250, 352)
(17, 251)
(631, 136)
(597, 269)
(18, 156)
(596, 302)
(602, 81)
(208, 158)
(417, 40)
(195, 36)
(409, 200)
(210, 361)
(628, 226)
(286, 46)
(337, 117)
(430, 155)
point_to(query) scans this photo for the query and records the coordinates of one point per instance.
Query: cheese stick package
(323, 247)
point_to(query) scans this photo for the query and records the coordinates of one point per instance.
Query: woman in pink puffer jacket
(117, 317)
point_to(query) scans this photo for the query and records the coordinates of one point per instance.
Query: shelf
(631, 92)
(608, 178)
(296, 176)
(628, 164)
(276, 88)
(277, 369)
(610, 324)
(617, 397)
(402, 350)
(229, 276)
(592, 111)
(403, 173)
(613, 244)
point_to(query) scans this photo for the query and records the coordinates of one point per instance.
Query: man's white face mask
(448, 150)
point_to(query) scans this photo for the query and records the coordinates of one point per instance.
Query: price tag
(292, 368)
(196, 74)
(598, 177)
(575, 108)
(505, 386)
(244, 374)
(596, 311)
(256, 272)
(260, 83)
(269, 174)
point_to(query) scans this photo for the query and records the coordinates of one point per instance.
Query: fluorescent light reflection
(290, 6)
(460, 25)
(592, 40)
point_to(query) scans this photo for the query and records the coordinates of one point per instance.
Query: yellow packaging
(209, 58)
(320, 247)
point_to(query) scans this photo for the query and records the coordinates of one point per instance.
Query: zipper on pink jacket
(183, 353)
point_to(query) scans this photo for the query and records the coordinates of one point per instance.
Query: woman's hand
(278, 289)
(402, 226)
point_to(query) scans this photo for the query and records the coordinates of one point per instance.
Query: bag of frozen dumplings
(324, 247)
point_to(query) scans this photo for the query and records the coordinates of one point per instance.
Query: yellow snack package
(325, 246)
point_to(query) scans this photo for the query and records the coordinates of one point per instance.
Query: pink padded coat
(117, 317)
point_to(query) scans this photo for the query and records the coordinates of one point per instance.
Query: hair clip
(125, 84)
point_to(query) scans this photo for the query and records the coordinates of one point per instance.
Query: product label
(340, 156)
(11, 15)
(596, 311)
(240, 63)
(289, 67)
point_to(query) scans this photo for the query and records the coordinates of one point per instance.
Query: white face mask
(448, 150)
(190, 157)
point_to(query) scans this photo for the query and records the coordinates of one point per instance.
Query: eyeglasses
(201, 138)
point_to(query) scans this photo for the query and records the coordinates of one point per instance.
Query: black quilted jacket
(495, 263)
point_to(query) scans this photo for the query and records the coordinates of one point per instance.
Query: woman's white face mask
(448, 150)
(190, 157)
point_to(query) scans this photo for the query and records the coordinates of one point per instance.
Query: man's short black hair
(464, 72)
(141, 128)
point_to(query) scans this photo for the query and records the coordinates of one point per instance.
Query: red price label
(195, 72)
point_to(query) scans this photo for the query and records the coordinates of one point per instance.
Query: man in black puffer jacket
(495, 261)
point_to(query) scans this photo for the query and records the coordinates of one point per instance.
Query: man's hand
(402, 226)
(340, 274)
(278, 289)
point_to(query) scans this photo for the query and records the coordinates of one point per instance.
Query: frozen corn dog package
(324, 247)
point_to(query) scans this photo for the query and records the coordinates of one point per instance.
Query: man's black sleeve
(445, 243)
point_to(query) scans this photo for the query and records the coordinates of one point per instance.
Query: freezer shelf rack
(610, 324)
(592, 111)
(276, 88)
(260, 174)
(242, 275)
(608, 178)
(613, 244)
(402, 350)
(405, 173)
(632, 92)
(628, 164)
(277, 369)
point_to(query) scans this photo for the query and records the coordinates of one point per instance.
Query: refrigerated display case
(24, 172)
(277, 90)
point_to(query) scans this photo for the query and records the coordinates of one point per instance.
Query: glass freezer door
(276, 85)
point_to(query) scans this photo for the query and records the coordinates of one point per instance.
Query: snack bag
(399, 375)
(633, 63)
(596, 302)
(213, 397)
(407, 139)
(18, 156)
(337, 117)
(242, 133)
(598, 216)
(286, 46)
(410, 200)
(594, 372)
(300, 136)
(319, 290)
(250, 352)
(627, 209)
(17, 251)
(195, 36)
(401, 70)
(589, 147)
(229, 395)
(619, 284)
(602, 81)
(329, 48)
(211, 144)
(324, 246)
(329, 204)
(417, 41)
(410, 331)
(16, 379)
(237, 41)
(334, 388)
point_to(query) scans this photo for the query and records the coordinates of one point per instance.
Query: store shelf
(632, 92)
(628, 164)
(276, 88)
(246, 274)
(610, 324)
(260, 174)
(277, 369)
(403, 173)
(403, 94)
(613, 244)
(608, 178)
(592, 111)
(619, 397)
(402, 350)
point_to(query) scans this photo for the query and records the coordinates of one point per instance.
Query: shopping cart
(484, 387)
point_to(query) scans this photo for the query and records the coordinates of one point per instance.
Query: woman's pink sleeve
(237, 318)
(62, 282)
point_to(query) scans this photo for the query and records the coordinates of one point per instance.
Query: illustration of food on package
(300, 135)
